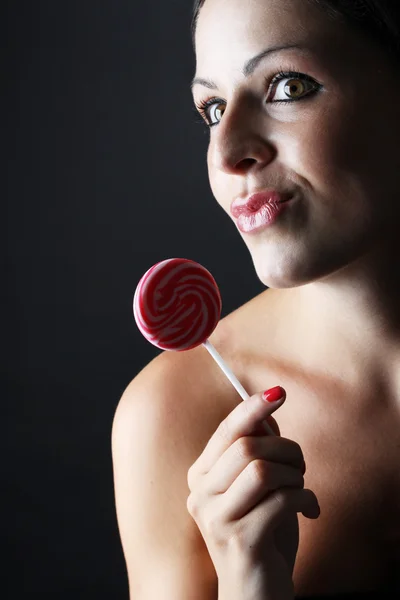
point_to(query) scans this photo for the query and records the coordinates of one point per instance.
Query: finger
(247, 449)
(278, 507)
(259, 429)
(273, 424)
(257, 480)
(283, 502)
(240, 422)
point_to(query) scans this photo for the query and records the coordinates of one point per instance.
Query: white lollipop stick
(235, 382)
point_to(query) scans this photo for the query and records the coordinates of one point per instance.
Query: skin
(338, 149)
(327, 330)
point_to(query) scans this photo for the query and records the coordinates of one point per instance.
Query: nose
(238, 145)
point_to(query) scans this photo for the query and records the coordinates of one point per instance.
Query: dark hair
(379, 19)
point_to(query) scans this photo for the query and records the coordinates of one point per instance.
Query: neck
(356, 310)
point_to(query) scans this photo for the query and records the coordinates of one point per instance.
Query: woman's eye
(287, 86)
(293, 88)
(213, 112)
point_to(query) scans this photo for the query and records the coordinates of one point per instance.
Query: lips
(253, 203)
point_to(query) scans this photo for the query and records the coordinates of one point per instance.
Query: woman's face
(334, 145)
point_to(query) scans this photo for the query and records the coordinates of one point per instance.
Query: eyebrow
(249, 66)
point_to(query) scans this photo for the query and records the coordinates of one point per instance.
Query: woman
(301, 97)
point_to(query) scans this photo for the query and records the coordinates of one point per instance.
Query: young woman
(301, 97)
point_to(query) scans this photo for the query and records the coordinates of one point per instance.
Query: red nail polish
(274, 394)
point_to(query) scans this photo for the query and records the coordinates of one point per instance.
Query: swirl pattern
(177, 304)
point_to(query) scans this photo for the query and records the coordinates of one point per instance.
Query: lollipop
(177, 306)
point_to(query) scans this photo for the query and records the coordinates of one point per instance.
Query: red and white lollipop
(177, 306)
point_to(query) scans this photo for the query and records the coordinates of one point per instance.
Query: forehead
(229, 32)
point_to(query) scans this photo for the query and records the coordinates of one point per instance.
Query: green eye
(297, 86)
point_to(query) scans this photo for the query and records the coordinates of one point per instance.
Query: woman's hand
(246, 489)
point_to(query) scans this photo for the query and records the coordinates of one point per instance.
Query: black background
(106, 175)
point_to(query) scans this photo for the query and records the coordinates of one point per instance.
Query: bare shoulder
(162, 423)
(176, 392)
(171, 409)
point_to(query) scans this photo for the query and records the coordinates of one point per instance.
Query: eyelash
(279, 76)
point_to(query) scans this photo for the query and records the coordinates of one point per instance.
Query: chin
(280, 282)
(277, 276)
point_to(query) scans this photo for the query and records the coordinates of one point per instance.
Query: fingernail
(274, 394)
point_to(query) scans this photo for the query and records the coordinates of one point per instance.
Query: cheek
(219, 183)
(333, 157)
(351, 149)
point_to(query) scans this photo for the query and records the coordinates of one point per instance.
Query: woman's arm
(153, 446)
